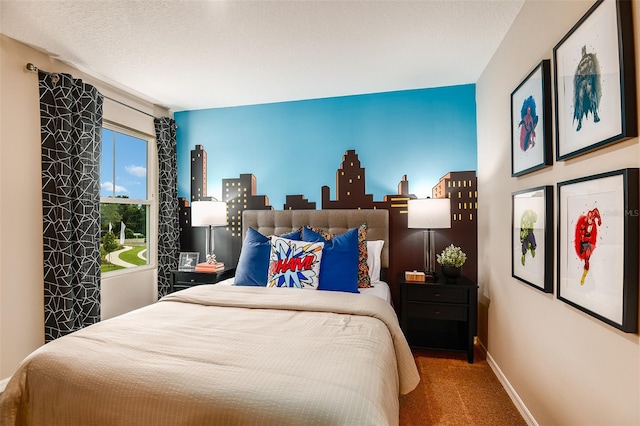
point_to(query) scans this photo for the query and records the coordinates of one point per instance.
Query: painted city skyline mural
(295, 147)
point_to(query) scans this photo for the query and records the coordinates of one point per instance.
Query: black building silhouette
(198, 173)
(298, 202)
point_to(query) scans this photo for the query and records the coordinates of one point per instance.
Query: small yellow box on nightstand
(414, 276)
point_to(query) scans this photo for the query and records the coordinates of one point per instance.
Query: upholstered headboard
(276, 222)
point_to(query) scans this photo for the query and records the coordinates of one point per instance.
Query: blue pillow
(293, 235)
(253, 265)
(340, 258)
(254, 260)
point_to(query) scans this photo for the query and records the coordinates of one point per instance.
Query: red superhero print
(585, 238)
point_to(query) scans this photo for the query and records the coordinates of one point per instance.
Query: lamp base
(431, 276)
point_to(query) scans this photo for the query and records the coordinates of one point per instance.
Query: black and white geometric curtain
(168, 225)
(70, 125)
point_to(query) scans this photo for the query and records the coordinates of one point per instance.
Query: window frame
(151, 200)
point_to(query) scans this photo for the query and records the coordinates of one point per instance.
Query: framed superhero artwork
(598, 246)
(595, 84)
(532, 237)
(531, 121)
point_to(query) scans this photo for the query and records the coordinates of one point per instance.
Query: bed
(229, 354)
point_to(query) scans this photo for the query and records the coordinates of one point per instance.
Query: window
(125, 204)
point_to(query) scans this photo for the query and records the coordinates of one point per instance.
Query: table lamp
(210, 214)
(429, 214)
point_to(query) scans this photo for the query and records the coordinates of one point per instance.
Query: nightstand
(440, 315)
(185, 279)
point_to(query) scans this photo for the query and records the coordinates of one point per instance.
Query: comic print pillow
(294, 263)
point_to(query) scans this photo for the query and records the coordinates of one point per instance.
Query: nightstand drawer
(185, 279)
(426, 293)
(181, 286)
(436, 311)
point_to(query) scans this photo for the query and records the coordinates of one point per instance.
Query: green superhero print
(527, 239)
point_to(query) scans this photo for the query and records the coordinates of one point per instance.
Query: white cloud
(108, 186)
(136, 170)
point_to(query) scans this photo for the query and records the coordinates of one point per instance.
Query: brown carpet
(454, 392)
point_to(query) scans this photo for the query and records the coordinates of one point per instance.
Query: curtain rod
(33, 68)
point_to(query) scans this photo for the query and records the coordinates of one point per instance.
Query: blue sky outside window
(123, 166)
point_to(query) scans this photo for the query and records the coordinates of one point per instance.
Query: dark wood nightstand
(440, 315)
(185, 279)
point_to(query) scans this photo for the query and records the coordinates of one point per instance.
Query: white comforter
(223, 355)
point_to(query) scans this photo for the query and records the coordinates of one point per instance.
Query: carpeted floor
(454, 392)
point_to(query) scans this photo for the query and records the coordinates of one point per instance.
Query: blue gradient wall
(296, 147)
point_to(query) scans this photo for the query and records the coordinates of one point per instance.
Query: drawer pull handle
(436, 312)
(436, 294)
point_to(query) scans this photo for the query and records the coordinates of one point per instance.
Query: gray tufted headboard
(337, 221)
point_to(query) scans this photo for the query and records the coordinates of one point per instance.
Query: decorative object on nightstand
(188, 261)
(210, 214)
(429, 214)
(451, 260)
(414, 276)
(210, 267)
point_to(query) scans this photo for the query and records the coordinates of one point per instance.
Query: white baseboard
(524, 411)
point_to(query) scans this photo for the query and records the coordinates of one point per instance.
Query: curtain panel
(168, 225)
(70, 126)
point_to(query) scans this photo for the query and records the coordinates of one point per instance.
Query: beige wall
(21, 275)
(566, 367)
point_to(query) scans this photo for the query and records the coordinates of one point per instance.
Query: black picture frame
(531, 122)
(532, 237)
(594, 81)
(597, 261)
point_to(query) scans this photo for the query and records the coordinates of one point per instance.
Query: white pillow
(294, 263)
(374, 250)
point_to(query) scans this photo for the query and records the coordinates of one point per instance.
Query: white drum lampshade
(210, 214)
(429, 214)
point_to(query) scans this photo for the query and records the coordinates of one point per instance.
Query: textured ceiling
(203, 54)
